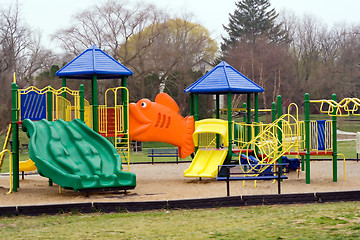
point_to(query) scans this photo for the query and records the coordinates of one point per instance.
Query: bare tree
(109, 26)
(170, 51)
(157, 49)
(20, 52)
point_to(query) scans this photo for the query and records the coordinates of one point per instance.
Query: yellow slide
(205, 163)
(27, 166)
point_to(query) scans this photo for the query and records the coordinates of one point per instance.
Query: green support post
(196, 107)
(15, 135)
(334, 126)
(49, 115)
(280, 137)
(63, 94)
(196, 111)
(229, 126)
(248, 116)
(273, 111)
(307, 137)
(244, 117)
(256, 118)
(217, 106)
(82, 102)
(49, 106)
(95, 104)
(125, 102)
(191, 104)
(63, 85)
(217, 113)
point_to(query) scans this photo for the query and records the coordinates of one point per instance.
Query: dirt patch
(166, 182)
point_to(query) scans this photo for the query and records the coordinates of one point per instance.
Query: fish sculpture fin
(166, 100)
(188, 146)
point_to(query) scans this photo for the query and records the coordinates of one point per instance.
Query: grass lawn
(310, 221)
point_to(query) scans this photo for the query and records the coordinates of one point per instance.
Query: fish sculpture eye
(143, 104)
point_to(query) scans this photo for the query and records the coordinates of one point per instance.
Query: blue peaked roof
(222, 79)
(93, 61)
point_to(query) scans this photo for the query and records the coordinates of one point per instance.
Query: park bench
(163, 152)
(235, 173)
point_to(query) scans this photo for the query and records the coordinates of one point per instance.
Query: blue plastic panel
(223, 78)
(33, 106)
(93, 61)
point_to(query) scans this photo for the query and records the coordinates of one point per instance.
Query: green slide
(73, 156)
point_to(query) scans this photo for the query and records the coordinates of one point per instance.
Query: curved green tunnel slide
(73, 156)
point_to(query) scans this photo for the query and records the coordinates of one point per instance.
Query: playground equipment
(267, 147)
(328, 142)
(110, 120)
(75, 157)
(260, 145)
(160, 121)
(208, 157)
(223, 79)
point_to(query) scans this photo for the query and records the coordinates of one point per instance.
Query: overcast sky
(51, 15)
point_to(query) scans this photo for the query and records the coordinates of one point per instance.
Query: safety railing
(343, 108)
(33, 103)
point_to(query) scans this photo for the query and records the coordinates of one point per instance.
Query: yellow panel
(211, 125)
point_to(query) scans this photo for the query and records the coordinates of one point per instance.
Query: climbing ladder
(113, 121)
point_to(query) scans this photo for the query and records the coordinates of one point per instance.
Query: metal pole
(191, 104)
(125, 102)
(273, 111)
(244, 117)
(49, 115)
(248, 116)
(95, 104)
(15, 136)
(63, 94)
(49, 106)
(334, 126)
(196, 112)
(307, 137)
(229, 126)
(82, 102)
(279, 114)
(196, 107)
(256, 118)
(228, 181)
(217, 113)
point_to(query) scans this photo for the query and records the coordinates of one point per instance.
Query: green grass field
(310, 221)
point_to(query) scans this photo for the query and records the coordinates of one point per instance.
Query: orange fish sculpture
(160, 121)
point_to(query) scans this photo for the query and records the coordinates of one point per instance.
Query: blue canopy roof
(93, 61)
(222, 79)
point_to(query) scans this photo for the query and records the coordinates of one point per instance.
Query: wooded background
(284, 53)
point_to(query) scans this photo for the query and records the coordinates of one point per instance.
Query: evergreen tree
(252, 19)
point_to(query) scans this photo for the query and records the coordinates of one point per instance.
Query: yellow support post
(6, 143)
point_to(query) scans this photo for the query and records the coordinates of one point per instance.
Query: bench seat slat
(162, 155)
(252, 178)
